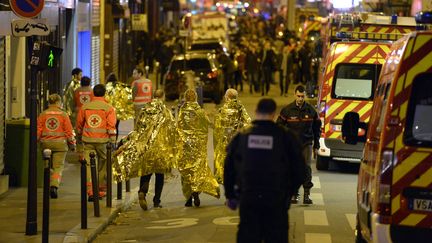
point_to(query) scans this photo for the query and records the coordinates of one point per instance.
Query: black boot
(196, 199)
(189, 202)
(306, 198)
(295, 198)
(142, 200)
(53, 192)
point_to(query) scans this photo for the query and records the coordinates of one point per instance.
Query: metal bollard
(109, 176)
(83, 193)
(46, 191)
(95, 185)
(119, 190)
(128, 186)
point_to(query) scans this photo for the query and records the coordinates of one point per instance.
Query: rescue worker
(119, 95)
(96, 126)
(83, 95)
(231, 117)
(263, 167)
(141, 90)
(192, 130)
(156, 126)
(302, 118)
(55, 132)
(69, 94)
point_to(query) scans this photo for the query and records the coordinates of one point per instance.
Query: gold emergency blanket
(150, 148)
(68, 99)
(119, 95)
(192, 128)
(230, 117)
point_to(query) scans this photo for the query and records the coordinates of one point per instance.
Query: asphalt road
(331, 219)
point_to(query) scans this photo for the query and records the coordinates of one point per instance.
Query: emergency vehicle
(349, 75)
(394, 193)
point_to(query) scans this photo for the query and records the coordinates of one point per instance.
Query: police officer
(54, 131)
(302, 118)
(69, 94)
(96, 122)
(141, 90)
(263, 167)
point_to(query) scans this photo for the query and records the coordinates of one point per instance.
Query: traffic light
(45, 55)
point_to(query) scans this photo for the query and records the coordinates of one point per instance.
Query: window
(191, 64)
(418, 131)
(355, 81)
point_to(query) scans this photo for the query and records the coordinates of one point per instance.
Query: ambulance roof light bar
(424, 20)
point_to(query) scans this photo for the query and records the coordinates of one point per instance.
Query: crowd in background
(261, 52)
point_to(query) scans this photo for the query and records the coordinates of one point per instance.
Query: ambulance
(350, 71)
(394, 193)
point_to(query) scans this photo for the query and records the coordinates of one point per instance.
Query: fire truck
(350, 70)
(394, 191)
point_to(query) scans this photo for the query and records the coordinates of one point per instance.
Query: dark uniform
(305, 123)
(263, 167)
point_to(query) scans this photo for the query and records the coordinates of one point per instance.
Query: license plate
(421, 205)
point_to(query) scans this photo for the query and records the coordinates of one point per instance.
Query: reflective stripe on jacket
(54, 125)
(96, 122)
(82, 96)
(141, 91)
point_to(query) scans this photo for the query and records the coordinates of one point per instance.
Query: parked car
(205, 67)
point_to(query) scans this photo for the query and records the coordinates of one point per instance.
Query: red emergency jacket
(55, 126)
(96, 122)
(141, 91)
(82, 95)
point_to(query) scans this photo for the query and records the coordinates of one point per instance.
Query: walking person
(96, 122)
(55, 132)
(141, 90)
(118, 95)
(69, 94)
(192, 130)
(263, 167)
(231, 117)
(156, 126)
(268, 66)
(83, 95)
(252, 68)
(302, 118)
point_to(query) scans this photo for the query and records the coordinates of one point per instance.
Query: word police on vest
(260, 142)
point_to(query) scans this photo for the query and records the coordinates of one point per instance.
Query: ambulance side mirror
(350, 127)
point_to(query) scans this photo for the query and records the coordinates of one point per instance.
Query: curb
(96, 225)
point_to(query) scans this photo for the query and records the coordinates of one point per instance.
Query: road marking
(351, 217)
(317, 198)
(227, 220)
(316, 182)
(174, 223)
(314, 238)
(315, 217)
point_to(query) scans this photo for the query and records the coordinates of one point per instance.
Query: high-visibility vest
(142, 91)
(82, 95)
(54, 125)
(96, 122)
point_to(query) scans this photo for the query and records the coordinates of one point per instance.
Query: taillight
(322, 109)
(384, 186)
(213, 74)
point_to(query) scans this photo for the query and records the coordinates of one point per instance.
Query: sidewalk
(65, 212)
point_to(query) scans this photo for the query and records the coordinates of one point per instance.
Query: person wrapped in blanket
(192, 130)
(148, 149)
(231, 117)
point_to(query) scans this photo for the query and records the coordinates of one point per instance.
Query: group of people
(159, 142)
(261, 164)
